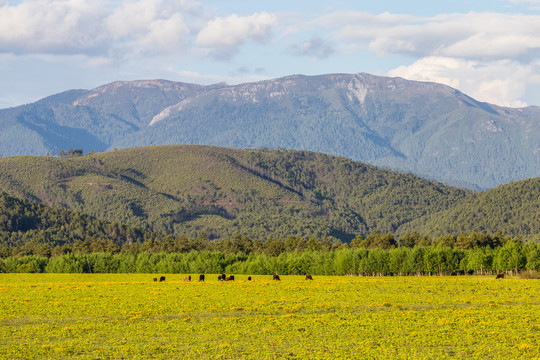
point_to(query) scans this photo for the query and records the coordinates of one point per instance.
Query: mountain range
(192, 190)
(425, 128)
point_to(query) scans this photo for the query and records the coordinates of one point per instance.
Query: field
(128, 316)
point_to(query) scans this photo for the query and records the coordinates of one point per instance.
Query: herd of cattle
(223, 277)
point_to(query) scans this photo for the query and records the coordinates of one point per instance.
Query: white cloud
(474, 35)
(52, 26)
(226, 34)
(501, 82)
(95, 27)
(148, 25)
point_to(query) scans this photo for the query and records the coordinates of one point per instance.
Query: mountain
(188, 190)
(429, 129)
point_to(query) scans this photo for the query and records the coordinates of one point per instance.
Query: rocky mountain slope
(425, 128)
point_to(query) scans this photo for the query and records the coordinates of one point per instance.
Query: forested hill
(187, 190)
(425, 128)
(39, 228)
(512, 208)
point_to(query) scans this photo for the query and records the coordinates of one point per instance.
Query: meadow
(124, 316)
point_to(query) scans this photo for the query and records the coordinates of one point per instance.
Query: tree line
(512, 257)
(117, 238)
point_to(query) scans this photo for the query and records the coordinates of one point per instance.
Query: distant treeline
(512, 257)
(131, 240)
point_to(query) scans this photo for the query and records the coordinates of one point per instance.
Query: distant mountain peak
(423, 127)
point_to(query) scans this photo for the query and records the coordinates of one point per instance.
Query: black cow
(309, 277)
(189, 278)
(249, 278)
(276, 277)
(162, 279)
(219, 278)
(500, 276)
(155, 279)
(201, 277)
(230, 278)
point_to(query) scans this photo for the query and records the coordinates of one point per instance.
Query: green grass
(125, 316)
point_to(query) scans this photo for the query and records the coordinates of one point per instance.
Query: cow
(500, 276)
(189, 278)
(230, 278)
(201, 277)
(223, 277)
(309, 277)
(162, 279)
(249, 278)
(276, 277)
(219, 278)
(155, 279)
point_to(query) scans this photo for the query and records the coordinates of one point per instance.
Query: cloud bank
(491, 56)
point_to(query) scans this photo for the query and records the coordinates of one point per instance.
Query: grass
(125, 316)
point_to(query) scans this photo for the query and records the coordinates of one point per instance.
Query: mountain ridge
(426, 128)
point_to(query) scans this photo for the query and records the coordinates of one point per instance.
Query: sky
(488, 49)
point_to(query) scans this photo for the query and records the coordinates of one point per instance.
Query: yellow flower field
(127, 316)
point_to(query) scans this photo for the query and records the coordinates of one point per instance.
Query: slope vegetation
(190, 189)
(513, 209)
(193, 190)
(27, 223)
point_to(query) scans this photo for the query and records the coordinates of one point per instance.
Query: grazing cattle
(499, 276)
(219, 278)
(249, 278)
(276, 277)
(223, 277)
(230, 278)
(162, 279)
(201, 277)
(155, 279)
(189, 278)
(309, 277)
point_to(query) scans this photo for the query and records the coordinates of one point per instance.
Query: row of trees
(437, 259)
(71, 153)
(244, 244)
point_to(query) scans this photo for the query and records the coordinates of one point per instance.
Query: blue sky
(487, 49)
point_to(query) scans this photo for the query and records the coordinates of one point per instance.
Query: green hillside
(37, 228)
(190, 189)
(513, 209)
